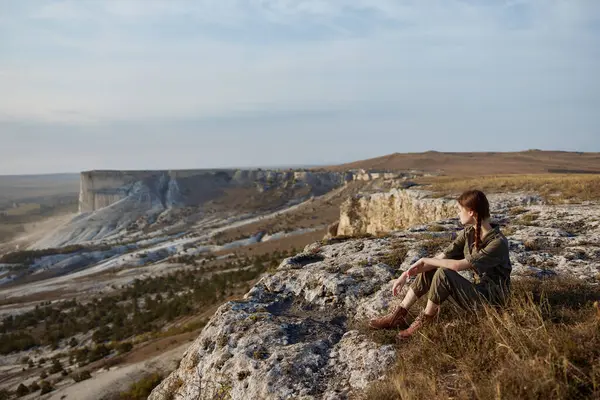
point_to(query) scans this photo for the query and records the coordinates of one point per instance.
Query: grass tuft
(544, 345)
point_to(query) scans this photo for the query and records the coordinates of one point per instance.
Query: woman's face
(465, 215)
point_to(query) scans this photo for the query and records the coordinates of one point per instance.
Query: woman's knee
(440, 288)
(442, 279)
(441, 274)
(447, 275)
(422, 283)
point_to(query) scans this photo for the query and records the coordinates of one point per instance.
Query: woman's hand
(399, 284)
(415, 269)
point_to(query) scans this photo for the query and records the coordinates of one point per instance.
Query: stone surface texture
(296, 333)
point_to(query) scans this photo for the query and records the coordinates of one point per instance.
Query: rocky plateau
(296, 333)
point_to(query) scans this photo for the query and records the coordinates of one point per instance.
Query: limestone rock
(290, 335)
(296, 333)
(402, 208)
(396, 209)
(332, 230)
(100, 189)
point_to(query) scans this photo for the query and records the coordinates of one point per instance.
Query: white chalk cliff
(100, 189)
(111, 202)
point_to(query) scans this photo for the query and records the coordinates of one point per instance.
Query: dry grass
(433, 244)
(516, 211)
(528, 219)
(544, 345)
(396, 256)
(482, 163)
(508, 230)
(554, 188)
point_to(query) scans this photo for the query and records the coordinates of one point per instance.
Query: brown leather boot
(395, 319)
(419, 322)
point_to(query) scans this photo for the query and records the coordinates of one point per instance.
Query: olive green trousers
(441, 283)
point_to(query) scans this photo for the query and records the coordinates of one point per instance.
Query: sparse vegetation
(396, 256)
(243, 375)
(29, 256)
(433, 244)
(34, 387)
(436, 228)
(142, 307)
(56, 367)
(554, 188)
(46, 387)
(81, 376)
(141, 389)
(260, 354)
(545, 344)
(16, 214)
(517, 210)
(528, 219)
(508, 230)
(22, 390)
(538, 244)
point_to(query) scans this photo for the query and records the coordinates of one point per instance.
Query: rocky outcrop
(401, 208)
(297, 333)
(396, 209)
(290, 336)
(101, 189)
(369, 175)
(332, 230)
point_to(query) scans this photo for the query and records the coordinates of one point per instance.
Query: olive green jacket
(491, 263)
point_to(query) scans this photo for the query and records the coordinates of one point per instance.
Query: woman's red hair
(475, 200)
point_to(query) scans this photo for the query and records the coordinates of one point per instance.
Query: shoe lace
(422, 317)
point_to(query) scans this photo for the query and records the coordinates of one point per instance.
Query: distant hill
(482, 163)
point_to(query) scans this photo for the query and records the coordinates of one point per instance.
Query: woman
(480, 247)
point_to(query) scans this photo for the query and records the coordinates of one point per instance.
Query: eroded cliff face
(396, 209)
(403, 208)
(100, 189)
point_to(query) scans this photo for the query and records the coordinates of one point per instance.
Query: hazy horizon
(290, 166)
(158, 84)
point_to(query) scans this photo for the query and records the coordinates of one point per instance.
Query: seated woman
(480, 247)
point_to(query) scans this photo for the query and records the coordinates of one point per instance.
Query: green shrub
(141, 389)
(19, 341)
(81, 376)
(22, 390)
(124, 347)
(395, 257)
(46, 387)
(34, 387)
(56, 367)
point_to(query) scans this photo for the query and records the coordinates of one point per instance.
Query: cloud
(471, 66)
(178, 58)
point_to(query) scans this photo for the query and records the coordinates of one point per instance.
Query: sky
(126, 84)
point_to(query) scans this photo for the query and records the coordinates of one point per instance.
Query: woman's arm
(424, 264)
(401, 281)
(427, 264)
(455, 265)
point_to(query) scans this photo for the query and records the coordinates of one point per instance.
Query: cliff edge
(299, 332)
